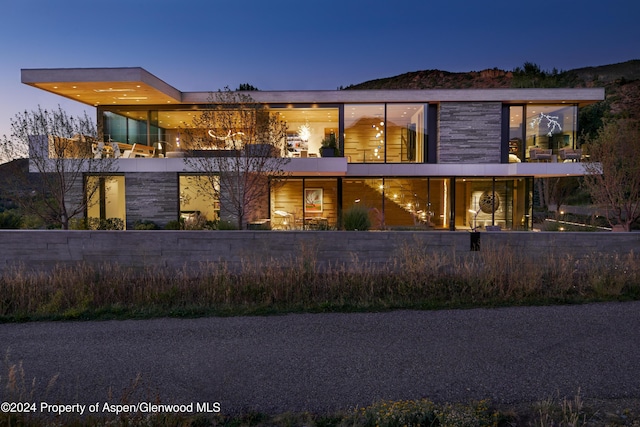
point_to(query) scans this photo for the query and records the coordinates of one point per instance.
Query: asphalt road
(325, 362)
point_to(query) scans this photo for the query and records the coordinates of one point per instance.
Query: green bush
(96, 224)
(173, 225)
(145, 224)
(10, 220)
(225, 225)
(356, 218)
(199, 222)
(78, 224)
(110, 224)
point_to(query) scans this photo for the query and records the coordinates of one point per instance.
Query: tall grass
(561, 412)
(411, 278)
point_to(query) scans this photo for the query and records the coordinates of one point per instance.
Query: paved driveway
(324, 362)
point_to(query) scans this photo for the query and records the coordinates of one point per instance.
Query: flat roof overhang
(103, 86)
(580, 96)
(136, 86)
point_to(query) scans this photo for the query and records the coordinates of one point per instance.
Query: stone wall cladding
(470, 132)
(151, 196)
(40, 250)
(75, 195)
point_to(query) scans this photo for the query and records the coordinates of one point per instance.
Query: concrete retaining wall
(44, 249)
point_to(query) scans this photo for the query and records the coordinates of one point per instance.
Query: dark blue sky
(202, 45)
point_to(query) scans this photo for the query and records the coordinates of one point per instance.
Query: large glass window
(379, 133)
(169, 125)
(198, 199)
(134, 127)
(287, 210)
(364, 133)
(392, 133)
(309, 203)
(307, 128)
(406, 202)
(435, 213)
(516, 134)
(405, 133)
(115, 127)
(367, 192)
(105, 198)
(483, 202)
(547, 127)
(320, 203)
(398, 203)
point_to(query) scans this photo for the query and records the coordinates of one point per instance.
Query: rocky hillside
(438, 79)
(621, 82)
(629, 70)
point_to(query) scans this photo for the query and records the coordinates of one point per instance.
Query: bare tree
(239, 148)
(556, 191)
(614, 171)
(61, 149)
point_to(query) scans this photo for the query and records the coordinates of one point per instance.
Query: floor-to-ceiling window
(405, 133)
(406, 202)
(198, 198)
(483, 202)
(438, 194)
(367, 192)
(320, 196)
(551, 126)
(522, 209)
(307, 127)
(133, 127)
(548, 127)
(399, 203)
(305, 203)
(384, 133)
(516, 134)
(287, 211)
(364, 133)
(105, 200)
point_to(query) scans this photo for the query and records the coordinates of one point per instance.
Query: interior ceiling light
(113, 90)
(132, 98)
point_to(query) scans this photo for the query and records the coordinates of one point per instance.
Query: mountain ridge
(495, 77)
(621, 82)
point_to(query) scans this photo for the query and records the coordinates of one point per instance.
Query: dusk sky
(205, 45)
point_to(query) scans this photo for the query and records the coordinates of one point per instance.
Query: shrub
(145, 224)
(173, 225)
(96, 224)
(79, 224)
(225, 225)
(356, 218)
(196, 222)
(10, 220)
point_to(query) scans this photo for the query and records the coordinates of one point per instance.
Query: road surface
(328, 362)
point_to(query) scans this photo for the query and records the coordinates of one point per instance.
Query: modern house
(440, 159)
